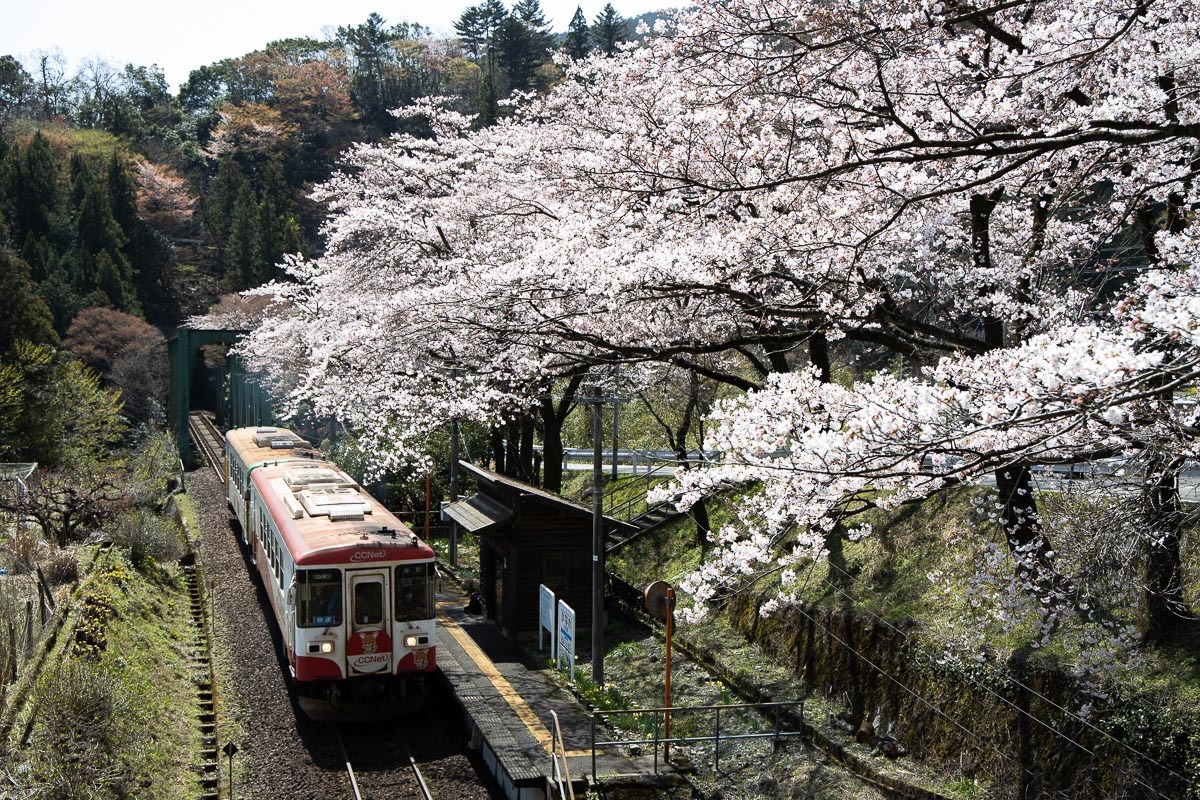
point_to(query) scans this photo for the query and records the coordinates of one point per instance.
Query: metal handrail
(557, 746)
(660, 713)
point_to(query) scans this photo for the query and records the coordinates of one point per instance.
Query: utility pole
(454, 473)
(454, 488)
(597, 541)
(616, 406)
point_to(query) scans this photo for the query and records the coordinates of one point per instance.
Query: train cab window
(414, 591)
(368, 603)
(318, 598)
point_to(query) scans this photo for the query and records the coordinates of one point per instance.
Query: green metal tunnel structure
(234, 395)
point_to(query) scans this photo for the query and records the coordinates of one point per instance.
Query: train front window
(368, 603)
(318, 598)
(414, 591)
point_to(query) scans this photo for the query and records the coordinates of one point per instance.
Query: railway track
(386, 767)
(208, 440)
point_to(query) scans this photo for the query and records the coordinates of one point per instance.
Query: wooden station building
(528, 536)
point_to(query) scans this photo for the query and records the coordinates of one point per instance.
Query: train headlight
(415, 641)
(320, 647)
(326, 647)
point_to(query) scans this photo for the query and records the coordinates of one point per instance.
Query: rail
(558, 752)
(209, 441)
(356, 789)
(337, 734)
(778, 710)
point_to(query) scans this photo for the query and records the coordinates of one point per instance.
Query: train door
(368, 646)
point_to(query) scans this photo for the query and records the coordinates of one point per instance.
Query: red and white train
(351, 587)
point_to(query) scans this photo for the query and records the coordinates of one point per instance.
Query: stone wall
(1010, 725)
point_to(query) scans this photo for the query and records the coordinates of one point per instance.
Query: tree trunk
(554, 415)
(700, 515)
(526, 452)
(1014, 484)
(1163, 591)
(1022, 526)
(497, 439)
(552, 451)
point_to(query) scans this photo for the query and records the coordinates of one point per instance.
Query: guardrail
(560, 772)
(661, 716)
(647, 461)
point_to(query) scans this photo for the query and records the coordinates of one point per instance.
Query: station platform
(507, 701)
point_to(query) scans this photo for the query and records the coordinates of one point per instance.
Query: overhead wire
(1005, 700)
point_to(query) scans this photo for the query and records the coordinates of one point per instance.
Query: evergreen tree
(371, 55)
(472, 32)
(244, 246)
(29, 188)
(489, 103)
(24, 315)
(542, 39)
(219, 201)
(101, 261)
(16, 89)
(148, 253)
(279, 232)
(493, 13)
(578, 43)
(608, 30)
(61, 297)
(111, 279)
(37, 254)
(517, 53)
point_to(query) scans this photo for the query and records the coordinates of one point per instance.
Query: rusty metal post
(28, 629)
(667, 683)
(12, 652)
(427, 493)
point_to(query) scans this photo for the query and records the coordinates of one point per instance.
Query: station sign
(566, 639)
(546, 618)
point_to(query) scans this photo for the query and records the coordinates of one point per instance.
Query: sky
(181, 36)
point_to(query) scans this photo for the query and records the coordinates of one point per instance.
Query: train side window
(318, 598)
(414, 591)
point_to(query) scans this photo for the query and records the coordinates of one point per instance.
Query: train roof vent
(337, 503)
(275, 439)
(311, 474)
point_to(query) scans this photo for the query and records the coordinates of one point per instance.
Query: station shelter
(527, 537)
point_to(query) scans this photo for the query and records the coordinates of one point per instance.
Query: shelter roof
(516, 489)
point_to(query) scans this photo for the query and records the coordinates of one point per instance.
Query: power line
(1008, 702)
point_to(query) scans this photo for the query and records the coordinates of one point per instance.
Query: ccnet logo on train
(369, 651)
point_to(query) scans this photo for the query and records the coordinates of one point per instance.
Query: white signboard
(546, 618)
(566, 639)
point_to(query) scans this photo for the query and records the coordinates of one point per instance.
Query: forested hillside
(125, 207)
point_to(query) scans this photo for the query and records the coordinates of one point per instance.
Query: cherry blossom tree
(998, 196)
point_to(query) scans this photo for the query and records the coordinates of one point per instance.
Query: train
(351, 587)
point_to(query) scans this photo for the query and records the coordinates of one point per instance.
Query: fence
(26, 611)
(657, 721)
(632, 461)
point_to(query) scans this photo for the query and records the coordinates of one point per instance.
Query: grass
(467, 568)
(116, 704)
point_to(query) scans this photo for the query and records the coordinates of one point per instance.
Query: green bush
(153, 469)
(148, 535)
